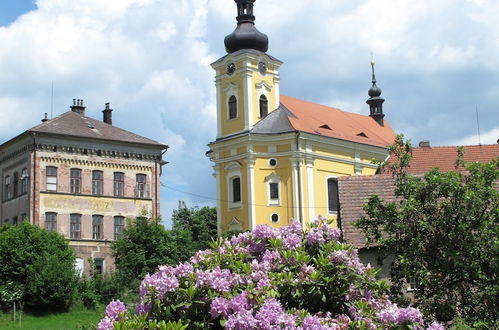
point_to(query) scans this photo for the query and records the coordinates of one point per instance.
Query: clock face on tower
(262, 67)
(231, 68)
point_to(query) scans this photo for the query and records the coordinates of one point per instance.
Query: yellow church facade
(277, 158)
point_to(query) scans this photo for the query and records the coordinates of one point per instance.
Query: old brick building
(82, 178)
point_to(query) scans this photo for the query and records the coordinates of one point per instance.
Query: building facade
(277, 158)
(82, 178)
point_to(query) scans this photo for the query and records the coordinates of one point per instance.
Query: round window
(272, 162)
(274, 217)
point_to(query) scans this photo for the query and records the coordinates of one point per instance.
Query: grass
(78, 318)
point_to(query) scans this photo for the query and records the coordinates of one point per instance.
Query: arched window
(332, 195)
(264, 106)
(273, 189)
(232, 107)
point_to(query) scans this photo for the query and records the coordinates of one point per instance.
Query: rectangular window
(332, 195)
(99, 266)
(75, 181)
(140, 190)
(97, 182)
(119, 226)
(7, 194)
(51, 175)
(97, 227)
(16, 184)
(24, 217)
(51, 221)
(14, 221)
(24, 181)
(236, 190)
(274, 190)
(119, 184)
(75, 226)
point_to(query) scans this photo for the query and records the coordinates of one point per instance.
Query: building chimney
(424, 144)
(107, 115)
(78, 107)
(45, 119)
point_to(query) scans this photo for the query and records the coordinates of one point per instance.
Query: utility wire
(246, 204)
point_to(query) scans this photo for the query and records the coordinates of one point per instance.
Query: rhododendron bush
(269, 278)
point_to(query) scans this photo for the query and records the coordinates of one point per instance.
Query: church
(276, 157)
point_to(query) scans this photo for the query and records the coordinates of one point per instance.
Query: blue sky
(436, 62)
(11, 9)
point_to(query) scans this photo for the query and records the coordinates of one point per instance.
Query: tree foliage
(146, 243)
(200, 223)
(443, 233)
(38, 266)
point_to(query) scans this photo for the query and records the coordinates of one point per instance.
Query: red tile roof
(426, 158)
(354, 192)
(331, 122)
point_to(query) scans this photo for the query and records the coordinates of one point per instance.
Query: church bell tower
(247, 78)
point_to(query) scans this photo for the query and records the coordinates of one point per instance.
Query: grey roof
(250, 51)
(74, 124)
(276, 122)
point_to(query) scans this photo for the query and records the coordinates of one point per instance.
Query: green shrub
(40, 264)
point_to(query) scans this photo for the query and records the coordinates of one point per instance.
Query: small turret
(375, 101)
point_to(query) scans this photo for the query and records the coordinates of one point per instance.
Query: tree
(145, 245)
(39, 264)
(201, 224)
(443, 233)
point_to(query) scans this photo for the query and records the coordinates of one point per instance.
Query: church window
(232, 107)
(264, 106)
(332, 195)
(273, 189)
(51, 174)
(236, 190)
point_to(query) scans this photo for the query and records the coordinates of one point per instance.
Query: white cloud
(150, 59)
(489, 137)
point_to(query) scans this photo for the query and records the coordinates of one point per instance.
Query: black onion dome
(246, 35)
(374, 91)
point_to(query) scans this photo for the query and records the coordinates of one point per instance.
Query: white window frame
(233, 170)
(273, 178)
(327, 195)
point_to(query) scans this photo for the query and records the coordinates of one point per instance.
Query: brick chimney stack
(107, 115)
(78, 107)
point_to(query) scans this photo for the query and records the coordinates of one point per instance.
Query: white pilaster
(250, 166)
(276, 92)
(248, 97)
(216, 168)
(219, 108)
(311, 187)
(294, 178)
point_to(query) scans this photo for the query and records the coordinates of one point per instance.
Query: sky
(436, 63)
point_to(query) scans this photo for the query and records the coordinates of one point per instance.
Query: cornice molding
(95, 163)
